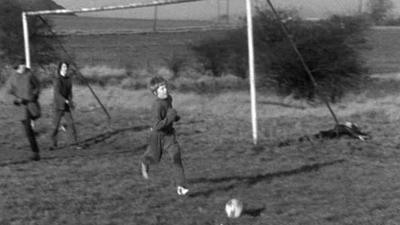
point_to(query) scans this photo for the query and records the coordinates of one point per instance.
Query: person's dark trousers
(58, 115)
(174, 152)
(160, 143)
(30, 134)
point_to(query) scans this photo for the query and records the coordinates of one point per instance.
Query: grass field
(136, 50)
(341, 181)
(281, 181)
(382, 54)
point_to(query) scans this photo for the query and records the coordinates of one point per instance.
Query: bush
(208, 84)
(175, 63)
(224, 55)
(212, 55)
(329, 50)
(328, 47)
(392, 22)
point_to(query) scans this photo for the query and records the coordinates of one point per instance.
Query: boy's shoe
(181, 190)
(145, 171)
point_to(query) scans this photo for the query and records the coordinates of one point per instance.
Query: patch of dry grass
(232, 103)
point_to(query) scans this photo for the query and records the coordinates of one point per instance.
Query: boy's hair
(18, 63)
(60, 64)
(156, 82)
(23, 66)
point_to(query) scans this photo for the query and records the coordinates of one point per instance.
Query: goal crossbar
(86, 10)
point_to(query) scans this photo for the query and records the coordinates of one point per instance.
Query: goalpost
(149, 4)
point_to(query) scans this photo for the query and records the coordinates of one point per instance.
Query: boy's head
(20, 68)
(158, 86)
(63, 69)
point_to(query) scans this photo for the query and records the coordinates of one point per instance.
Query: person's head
(20, 68)
(63, 69)
(158, 86)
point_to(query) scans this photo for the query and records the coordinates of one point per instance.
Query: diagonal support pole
(77, 68)
(305, 66)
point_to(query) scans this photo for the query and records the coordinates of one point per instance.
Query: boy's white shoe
(144, 169)
(181, 190)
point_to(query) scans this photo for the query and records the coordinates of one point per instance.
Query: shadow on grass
(252, 180)
(92, 141)
(25, 161)
(139, 149)
(254, 212)
(104, 136)
(282, 104)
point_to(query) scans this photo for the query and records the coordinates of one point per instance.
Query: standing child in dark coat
(162, 135)
(63, 104)
(25, 87)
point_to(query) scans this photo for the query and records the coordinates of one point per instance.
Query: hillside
(97, 25)
(33, 5)
(380, 53)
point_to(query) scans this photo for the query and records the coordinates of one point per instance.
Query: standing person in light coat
(24, 86)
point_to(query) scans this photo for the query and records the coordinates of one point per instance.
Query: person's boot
(35, 156)
(54, 144)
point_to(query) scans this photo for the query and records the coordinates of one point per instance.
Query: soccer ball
(234, 208)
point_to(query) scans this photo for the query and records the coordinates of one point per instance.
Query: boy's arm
(70, 96)
(10, 86)
(35, 87)
(70, 93)
(11, 90)
(160, 123)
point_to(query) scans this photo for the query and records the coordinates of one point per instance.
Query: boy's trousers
(160, 143)
(30, 134)
(58, 114)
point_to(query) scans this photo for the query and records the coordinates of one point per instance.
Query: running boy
(162, 134)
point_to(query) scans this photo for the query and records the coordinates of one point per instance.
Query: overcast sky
(208, 9)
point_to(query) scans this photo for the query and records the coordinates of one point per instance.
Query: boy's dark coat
(62, 92)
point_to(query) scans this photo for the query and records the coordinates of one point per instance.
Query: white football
(234, 208)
